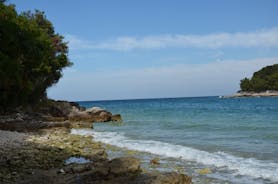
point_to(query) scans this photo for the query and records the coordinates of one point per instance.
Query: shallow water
(236, 138)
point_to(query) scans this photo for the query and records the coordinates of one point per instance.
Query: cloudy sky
(151, 49)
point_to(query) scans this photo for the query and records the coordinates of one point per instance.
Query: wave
(240, 166)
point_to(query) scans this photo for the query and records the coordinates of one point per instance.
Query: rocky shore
(38, 148)
(55, 114)
(253, 94)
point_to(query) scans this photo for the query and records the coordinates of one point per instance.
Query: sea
(212, 139)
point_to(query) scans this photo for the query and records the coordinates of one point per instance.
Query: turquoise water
(236, 137)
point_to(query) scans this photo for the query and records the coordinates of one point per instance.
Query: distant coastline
(268, 93)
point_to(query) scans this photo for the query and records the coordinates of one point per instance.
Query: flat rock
(124, 165)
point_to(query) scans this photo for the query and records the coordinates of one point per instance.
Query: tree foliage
(262, 80)
(32, 56)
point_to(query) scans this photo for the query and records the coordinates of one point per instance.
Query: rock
(205, 171)
(77, 168)
(56, 108)
(80, 116)
(267, 93)
(100, 169)
(98, 154)
(31, 125)
(138, 178)
(94, 110)
(104, 116)
(77, 106)
(166, 178)
(155, 161)
(94, 114)
(81, 124)
(61, 171)
(58, 124)
(116, 117)
(124, 165)
(99, 114)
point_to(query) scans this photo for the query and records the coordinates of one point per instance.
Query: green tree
(32, 57)
(245, 84)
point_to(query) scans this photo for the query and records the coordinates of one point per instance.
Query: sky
(153, 49)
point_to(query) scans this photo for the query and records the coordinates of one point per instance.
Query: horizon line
(148, 98)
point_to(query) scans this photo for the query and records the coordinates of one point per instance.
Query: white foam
(78, 160)
(240, 166)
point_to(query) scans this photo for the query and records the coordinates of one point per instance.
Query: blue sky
(150, 49)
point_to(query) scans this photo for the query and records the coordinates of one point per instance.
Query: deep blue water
(237, 134)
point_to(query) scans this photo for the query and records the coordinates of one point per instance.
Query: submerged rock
(155, 161)
(116, 117)
(205, 171)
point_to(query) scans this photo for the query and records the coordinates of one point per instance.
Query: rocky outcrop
(56, 114)
(74, 112)
(94, 114)
(27, 122)
(59, 108)
(98, 114)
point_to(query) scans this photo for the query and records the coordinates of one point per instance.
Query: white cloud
(77, 43)
(259, 38)
(217, 78)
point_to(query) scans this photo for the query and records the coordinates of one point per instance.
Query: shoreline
(253, 94)
(195, 161)
(39, 157)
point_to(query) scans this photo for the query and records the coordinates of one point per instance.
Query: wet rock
(116, 117)
(124, 165)
(77, 168)
(165, 178)
(205, 171)
(155, 161)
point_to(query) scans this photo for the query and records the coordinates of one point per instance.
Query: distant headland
(263, 83)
